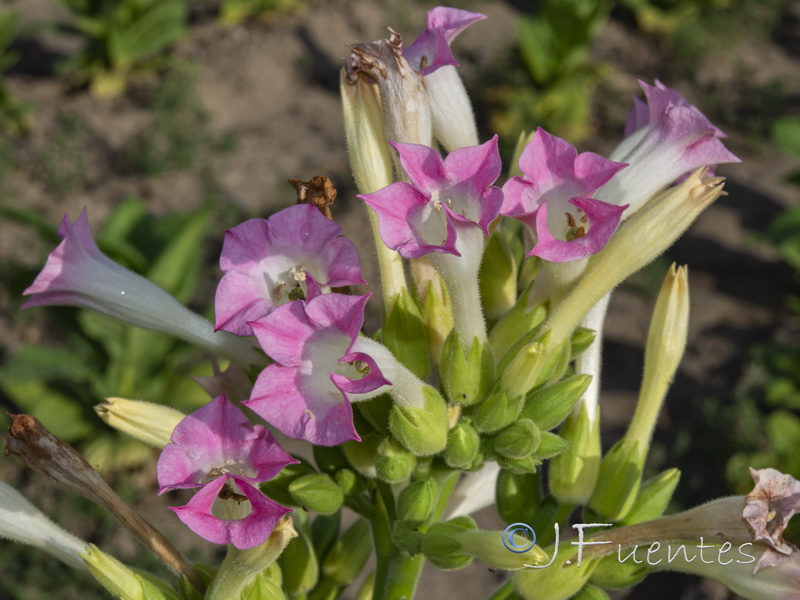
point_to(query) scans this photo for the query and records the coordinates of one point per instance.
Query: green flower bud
(122, 581)
(442, 549)
(317, 492)
(349, 554)
(524, 371)
(653, 497)
(404, 334)
(330, 459)
(463, 443)
(466, 379)
(518, 322)
(498, 277)
(362, 454)
(277, 488)
(393, 463)
(548, 406)
(612, 574)
(526, 464)
(423, 431)
(417, 501)
(406, 537)
(573, 473)
(619, 480)
(518, 496)
(437, 314)
(458, 540)
(497, 411)
(518, 440)
(349, 482)
(557, 581)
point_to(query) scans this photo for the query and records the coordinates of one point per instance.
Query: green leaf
(152, 32)
(177, 268)
(40, 363)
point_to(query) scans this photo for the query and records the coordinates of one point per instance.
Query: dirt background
(273, 87)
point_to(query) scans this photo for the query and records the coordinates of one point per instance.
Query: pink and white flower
(78, 274)
(318, 367)
(217, 449)
(553, 197)
(431, 50)
(444, 196)
(666, 138)
(268, 262)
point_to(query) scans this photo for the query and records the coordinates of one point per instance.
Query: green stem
(504, 592)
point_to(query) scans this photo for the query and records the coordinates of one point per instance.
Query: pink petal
(423, 165)
(295, 404)
(433, 45)
(248, 532)
(402, 211)
(368, 383)
(603, 219)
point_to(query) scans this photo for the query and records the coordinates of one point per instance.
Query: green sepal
(463, 443)
(653, 497)
(466, 379)
(549, 405)
(550, 445)
(393, 463)
(348, 555)
(317, 492)
(498, 276)
(581, 339)
(407, 537)
(404, 334)
(416, 502)
(612, 574)
(440, 547)
(518, 323)
(618, 482)
(526, 464)
(423, 430)
(528, 369)
(518, 496)
(518, 440)
(266, 586)
(497, 411)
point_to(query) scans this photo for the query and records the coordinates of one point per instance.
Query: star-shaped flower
(553, 197)
(268, 262)
(444, 195)
(217, 449)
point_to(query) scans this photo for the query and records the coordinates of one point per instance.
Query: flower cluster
(396, 416)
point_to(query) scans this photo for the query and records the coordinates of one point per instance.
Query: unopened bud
(463, 443)
(423, 431)
(317, 492)
(518, 440)
(417, 501)
(145, 421)
(466, 378)
(393, 463)
(122, 581)
(498, 411)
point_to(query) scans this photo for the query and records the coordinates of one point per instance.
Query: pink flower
(431, 49)
(268, 262)
(78, 274)
(665, 139)
(318, 366)
(217, 449)
(553, 199)
(444, 195)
